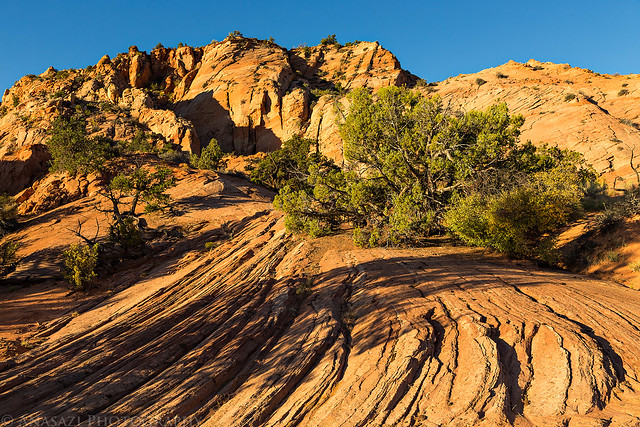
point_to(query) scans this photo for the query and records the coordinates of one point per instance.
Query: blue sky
(432, 39)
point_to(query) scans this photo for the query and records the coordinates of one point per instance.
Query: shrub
(211, 157)
(175, 156)
(407, 160)
(518, 221)
(569, 97)
(623, 92)
(480, 81)
(630, 123)
(138, 144)
(72, 151)
(127, 234)
(234, 34)
(329, 40)
(80, 262)
(8, 214)
(8, 258)
(126, 191)
(501, 76)
(635, 266)
(287, 165)
(62, 75)
(612, 256)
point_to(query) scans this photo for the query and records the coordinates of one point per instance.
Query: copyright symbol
(6, 419)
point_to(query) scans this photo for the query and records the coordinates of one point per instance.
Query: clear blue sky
(432, 39)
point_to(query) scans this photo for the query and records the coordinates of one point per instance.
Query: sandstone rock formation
(252, 94)
(18, 170)
(248, 94)
(595, 114)
(266, 329)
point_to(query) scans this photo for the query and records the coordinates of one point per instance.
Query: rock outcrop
(19, 170)
(248, 94)
(595, 114)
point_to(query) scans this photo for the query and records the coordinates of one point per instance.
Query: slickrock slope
(268, 329)
(595, 114)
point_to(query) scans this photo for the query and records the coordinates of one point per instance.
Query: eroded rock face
(19, 170)
(250, 95)
(56, 190)
(595, 114)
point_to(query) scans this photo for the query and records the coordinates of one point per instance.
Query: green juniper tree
(410, 164)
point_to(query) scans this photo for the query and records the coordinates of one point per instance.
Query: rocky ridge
(248, 94)
(595, 114)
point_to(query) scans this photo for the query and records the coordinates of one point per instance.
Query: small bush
(623, 92)
(612, 256)
(537, 68)
(630, 123)
(329, 40)
(480, 81)
(518, 221)
(80, 263)
(234, 34)
(127, 234)
(8, 213)
(283, 166)
(304, 288)
(501, 76)
(625, 84)
(138, 144)
(569, 97)
(62, 75)
(614, 213)
(8, 258)
(635, 266)
(211, 157)
(174, 156)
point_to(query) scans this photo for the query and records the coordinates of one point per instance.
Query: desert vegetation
(414, 169)
(211, 157)
(132, 189)
(8, 223)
